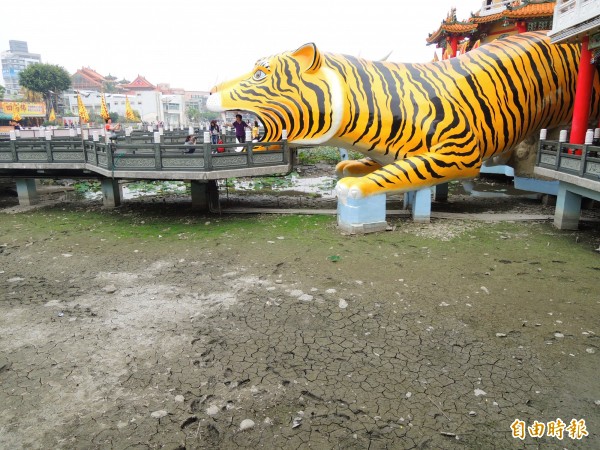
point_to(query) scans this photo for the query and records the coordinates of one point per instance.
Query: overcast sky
(195, 44)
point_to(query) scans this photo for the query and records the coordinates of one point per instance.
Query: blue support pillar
(419, 203)
(568, 209)
(364, 215)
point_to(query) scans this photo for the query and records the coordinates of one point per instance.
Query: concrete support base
(27, 192)
(419, 202)
(359, 216)
(441, 192)
(568, 209)
(111, 193)
(204, 194)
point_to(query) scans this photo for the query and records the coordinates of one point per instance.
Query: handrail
(142, 156)
(582, 160)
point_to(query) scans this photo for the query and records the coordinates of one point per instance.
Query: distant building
(87, 79)
(13, 62)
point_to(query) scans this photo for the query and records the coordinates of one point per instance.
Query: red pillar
(583, 94)
(521, 27)
(454, 45)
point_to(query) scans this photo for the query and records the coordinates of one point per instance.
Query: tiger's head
(290, 91)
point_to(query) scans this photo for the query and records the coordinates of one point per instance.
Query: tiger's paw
(351, 188)
(356, 168)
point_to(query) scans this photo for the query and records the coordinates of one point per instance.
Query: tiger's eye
(258, 75)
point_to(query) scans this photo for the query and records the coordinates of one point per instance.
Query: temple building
(496, 19)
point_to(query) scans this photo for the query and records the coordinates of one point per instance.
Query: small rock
(179, 398)
(110, 289)
(484, 289)
(15, 279)
(444, 304)
(408, 394)
(246, 424)
(500, 334)
(472, 413)
(343, 303)
(597, 403)
(305, 298)
(159, 414)
(212, 410)
(268, 421)
(559, 335)
(479, 392)
(297, 422)
(590, 350)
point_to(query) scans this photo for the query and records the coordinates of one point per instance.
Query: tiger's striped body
(418, 124)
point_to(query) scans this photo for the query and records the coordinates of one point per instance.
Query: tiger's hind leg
(412, 174)
(356, 168)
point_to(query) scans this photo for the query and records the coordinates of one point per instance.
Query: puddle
(486, 189)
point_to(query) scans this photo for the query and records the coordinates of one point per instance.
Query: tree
(192, 113)
(2, 91)
(46, 79)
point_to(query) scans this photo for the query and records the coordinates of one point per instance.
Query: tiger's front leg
(410, 174)
(356, 168)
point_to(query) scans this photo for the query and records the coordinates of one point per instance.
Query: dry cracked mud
(280, 332)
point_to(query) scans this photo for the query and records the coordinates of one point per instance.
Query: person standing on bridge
(240, 128)
(214, 131)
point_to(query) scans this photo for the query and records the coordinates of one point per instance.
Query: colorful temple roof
(479, 24)
(139, 84)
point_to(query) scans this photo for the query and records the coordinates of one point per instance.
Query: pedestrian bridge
(138, 156)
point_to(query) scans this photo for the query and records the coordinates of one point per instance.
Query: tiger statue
(417, 124)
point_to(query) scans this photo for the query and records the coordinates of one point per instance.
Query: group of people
(240, 130)
(215, 134)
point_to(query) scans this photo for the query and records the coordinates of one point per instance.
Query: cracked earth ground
(245, 332)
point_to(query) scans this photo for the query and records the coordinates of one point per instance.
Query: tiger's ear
(309, 58)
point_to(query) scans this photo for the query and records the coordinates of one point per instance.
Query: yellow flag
(84, 117)
(129, 114)
(52, 116)
(103, 108)
(16, 116)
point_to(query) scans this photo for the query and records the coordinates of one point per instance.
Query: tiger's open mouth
(262, 129)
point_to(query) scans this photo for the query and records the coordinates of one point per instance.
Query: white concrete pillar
(27, 192)
(111, 193)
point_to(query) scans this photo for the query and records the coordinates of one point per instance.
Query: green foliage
(2, 91)
(44, 78)
(192, 113)
(327, 154)
(47, 79)
(87, 186)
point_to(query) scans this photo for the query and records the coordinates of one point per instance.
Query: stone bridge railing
(575, 159)
(144, 158)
